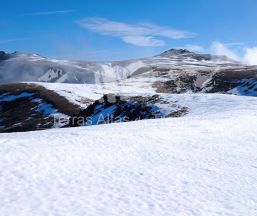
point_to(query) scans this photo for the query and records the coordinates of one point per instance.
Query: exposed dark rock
(181, 84)
(180, 112)
(112, 108)
(244, 81)
(175, 52)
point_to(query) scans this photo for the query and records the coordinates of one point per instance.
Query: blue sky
(121, 29)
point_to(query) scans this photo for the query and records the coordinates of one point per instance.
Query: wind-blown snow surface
(202, 164)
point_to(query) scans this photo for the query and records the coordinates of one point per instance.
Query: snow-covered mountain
(24, 67)
(175, 71)
(143, 87)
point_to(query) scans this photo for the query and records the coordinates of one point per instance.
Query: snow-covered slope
(200, 164)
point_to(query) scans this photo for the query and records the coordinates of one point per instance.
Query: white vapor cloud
(12, 40)
(44, 13)
(250, 56)
(141, 34)
(219, 48)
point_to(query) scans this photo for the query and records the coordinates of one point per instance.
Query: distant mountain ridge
(26, 67)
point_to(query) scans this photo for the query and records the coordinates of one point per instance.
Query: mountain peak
(3, 55)
(24, 54)
(172, 52)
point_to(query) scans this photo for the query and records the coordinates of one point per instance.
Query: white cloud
(141, 34)
(250, 56)
(219, 48)
(44, 13)
(143, 41)
(235, 44)
(12, 40)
